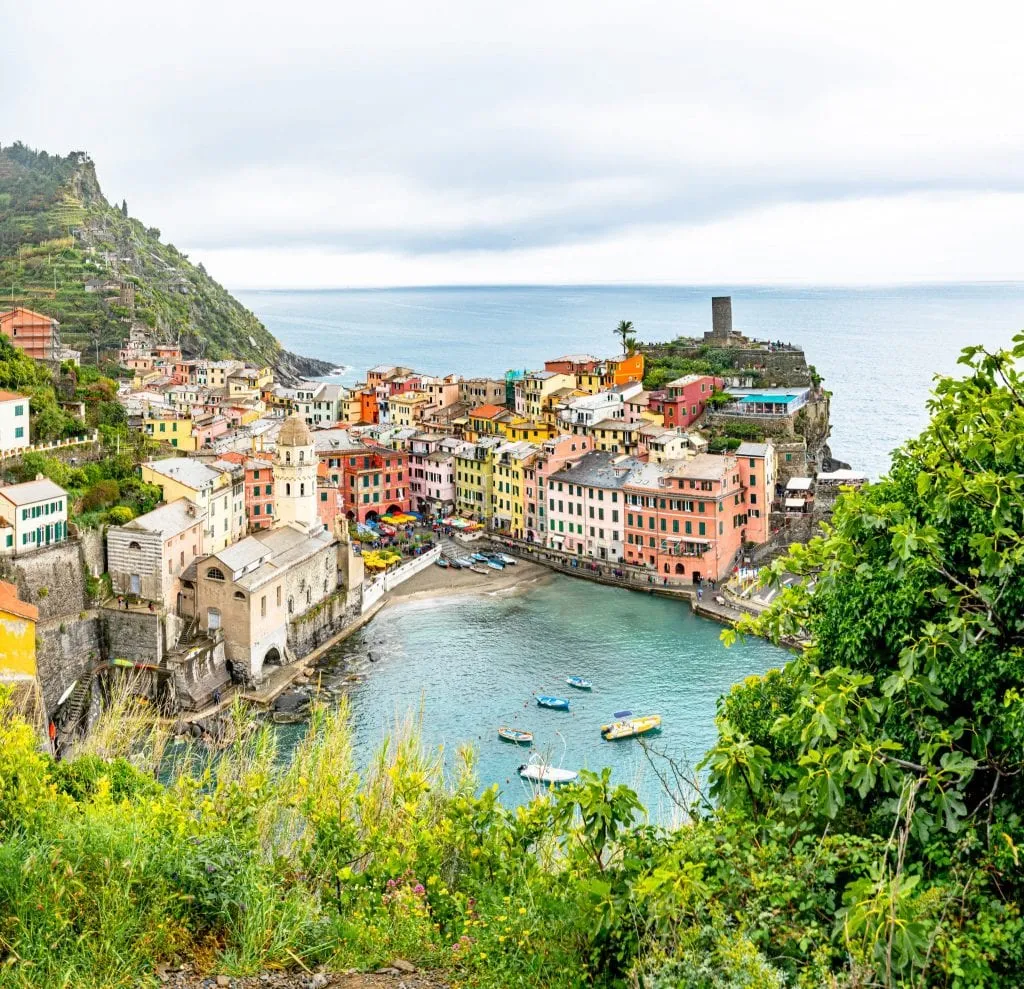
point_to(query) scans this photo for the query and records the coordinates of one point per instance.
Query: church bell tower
(295, 466)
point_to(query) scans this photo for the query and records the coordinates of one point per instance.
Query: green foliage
(55, 226)
(120, 515)
(100, 495)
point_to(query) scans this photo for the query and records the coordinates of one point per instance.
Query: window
(134, 545)
(239, 596)
(701, 529)
(215, 573)
(19, 410)
(255, 475)
(19, 432)
(256, 509)
(279, 597)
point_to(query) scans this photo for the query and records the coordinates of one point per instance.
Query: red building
(685, 399)
(259, 487)
(372, 480)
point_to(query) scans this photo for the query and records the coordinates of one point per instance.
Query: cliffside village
(270, 493)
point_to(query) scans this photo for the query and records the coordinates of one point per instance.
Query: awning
(799, 484)
(795, 503)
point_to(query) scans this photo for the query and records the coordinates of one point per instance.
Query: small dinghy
(555, 703)
(631, 727)
(495, 565)
(442, 562)
(515, 735)
(479, 557)
(478, 568)
(465, 562)
(509, 561)
(580, 683)
(536, 771)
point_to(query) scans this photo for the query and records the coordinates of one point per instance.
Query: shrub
(120, 515)
(100, 495)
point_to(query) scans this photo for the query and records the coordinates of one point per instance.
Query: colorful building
(554, 454)
(585, 504)
(174, 428)
(17, 636)
(474, 476)
(686, 521)
(686, 398)
(32, 332)
(508, 486)
(758, 464)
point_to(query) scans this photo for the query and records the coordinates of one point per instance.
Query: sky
(561, 142)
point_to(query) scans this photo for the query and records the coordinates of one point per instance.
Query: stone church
(275, 594)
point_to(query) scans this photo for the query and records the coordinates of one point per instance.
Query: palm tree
(625, 332)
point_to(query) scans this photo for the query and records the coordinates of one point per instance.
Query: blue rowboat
(441, 562)
(580, 683)
(479, 557)
(465, 562)
(495, 565)
(515, 735)
(555, 703)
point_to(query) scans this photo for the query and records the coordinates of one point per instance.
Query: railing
(92, 437)
(604, 571)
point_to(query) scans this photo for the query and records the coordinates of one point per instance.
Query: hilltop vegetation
(862, 825)
(57, 231)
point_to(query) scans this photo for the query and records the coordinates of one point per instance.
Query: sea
(462, 666)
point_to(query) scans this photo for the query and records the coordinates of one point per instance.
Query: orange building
(35, 334)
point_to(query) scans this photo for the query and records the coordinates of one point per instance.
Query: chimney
(721, 315)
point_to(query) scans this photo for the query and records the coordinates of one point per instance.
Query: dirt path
(390, 978)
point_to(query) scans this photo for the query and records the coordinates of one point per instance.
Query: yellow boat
(631, 727)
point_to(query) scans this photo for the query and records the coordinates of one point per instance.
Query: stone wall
(94, 551)
(323, 622)
(134, 635)
(66, 649)
(52, 579)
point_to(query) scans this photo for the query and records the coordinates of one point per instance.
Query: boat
(516, 735)
(555, 703)
(619, 715)
(580, 683)
(631, 727)
(536, 771)
(495, 565)
(477, 568)
(442, 562)
(509, 561)
(465, 562)
(479, 557)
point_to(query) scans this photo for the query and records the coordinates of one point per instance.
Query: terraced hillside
(67, 252)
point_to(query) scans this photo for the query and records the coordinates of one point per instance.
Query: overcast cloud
(336, 144)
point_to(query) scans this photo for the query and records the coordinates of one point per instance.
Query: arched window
(309, 595)
(302, 490)
(134, 545)
(215, 573)
(291, 605)
(239, 596)
(325, 587)
(287, 489)
(302, 456)
(287, 456)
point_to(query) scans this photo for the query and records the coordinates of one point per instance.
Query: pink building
(432, 472)
(330, 503)
(757, 463)
(206, 428)
(259, 487)
(555, 453)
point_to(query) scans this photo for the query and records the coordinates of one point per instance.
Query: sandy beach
(441, 582)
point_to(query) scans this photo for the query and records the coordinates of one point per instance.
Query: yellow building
(537, 389)
(218, 489)
(530, 432)
(490, 420)
(408, 407)
(615, 436)
(17, 635)
(474, 477)
(172, 428)
(508, 490)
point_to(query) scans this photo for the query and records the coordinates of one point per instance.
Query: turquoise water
(472, 663)
(877, 348)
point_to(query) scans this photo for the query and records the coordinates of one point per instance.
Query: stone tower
(295, 475)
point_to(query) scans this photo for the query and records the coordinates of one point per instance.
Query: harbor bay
(466, 664)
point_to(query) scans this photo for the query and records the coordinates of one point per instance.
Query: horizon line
(858, 286)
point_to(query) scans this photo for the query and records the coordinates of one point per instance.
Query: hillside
(67, 252)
